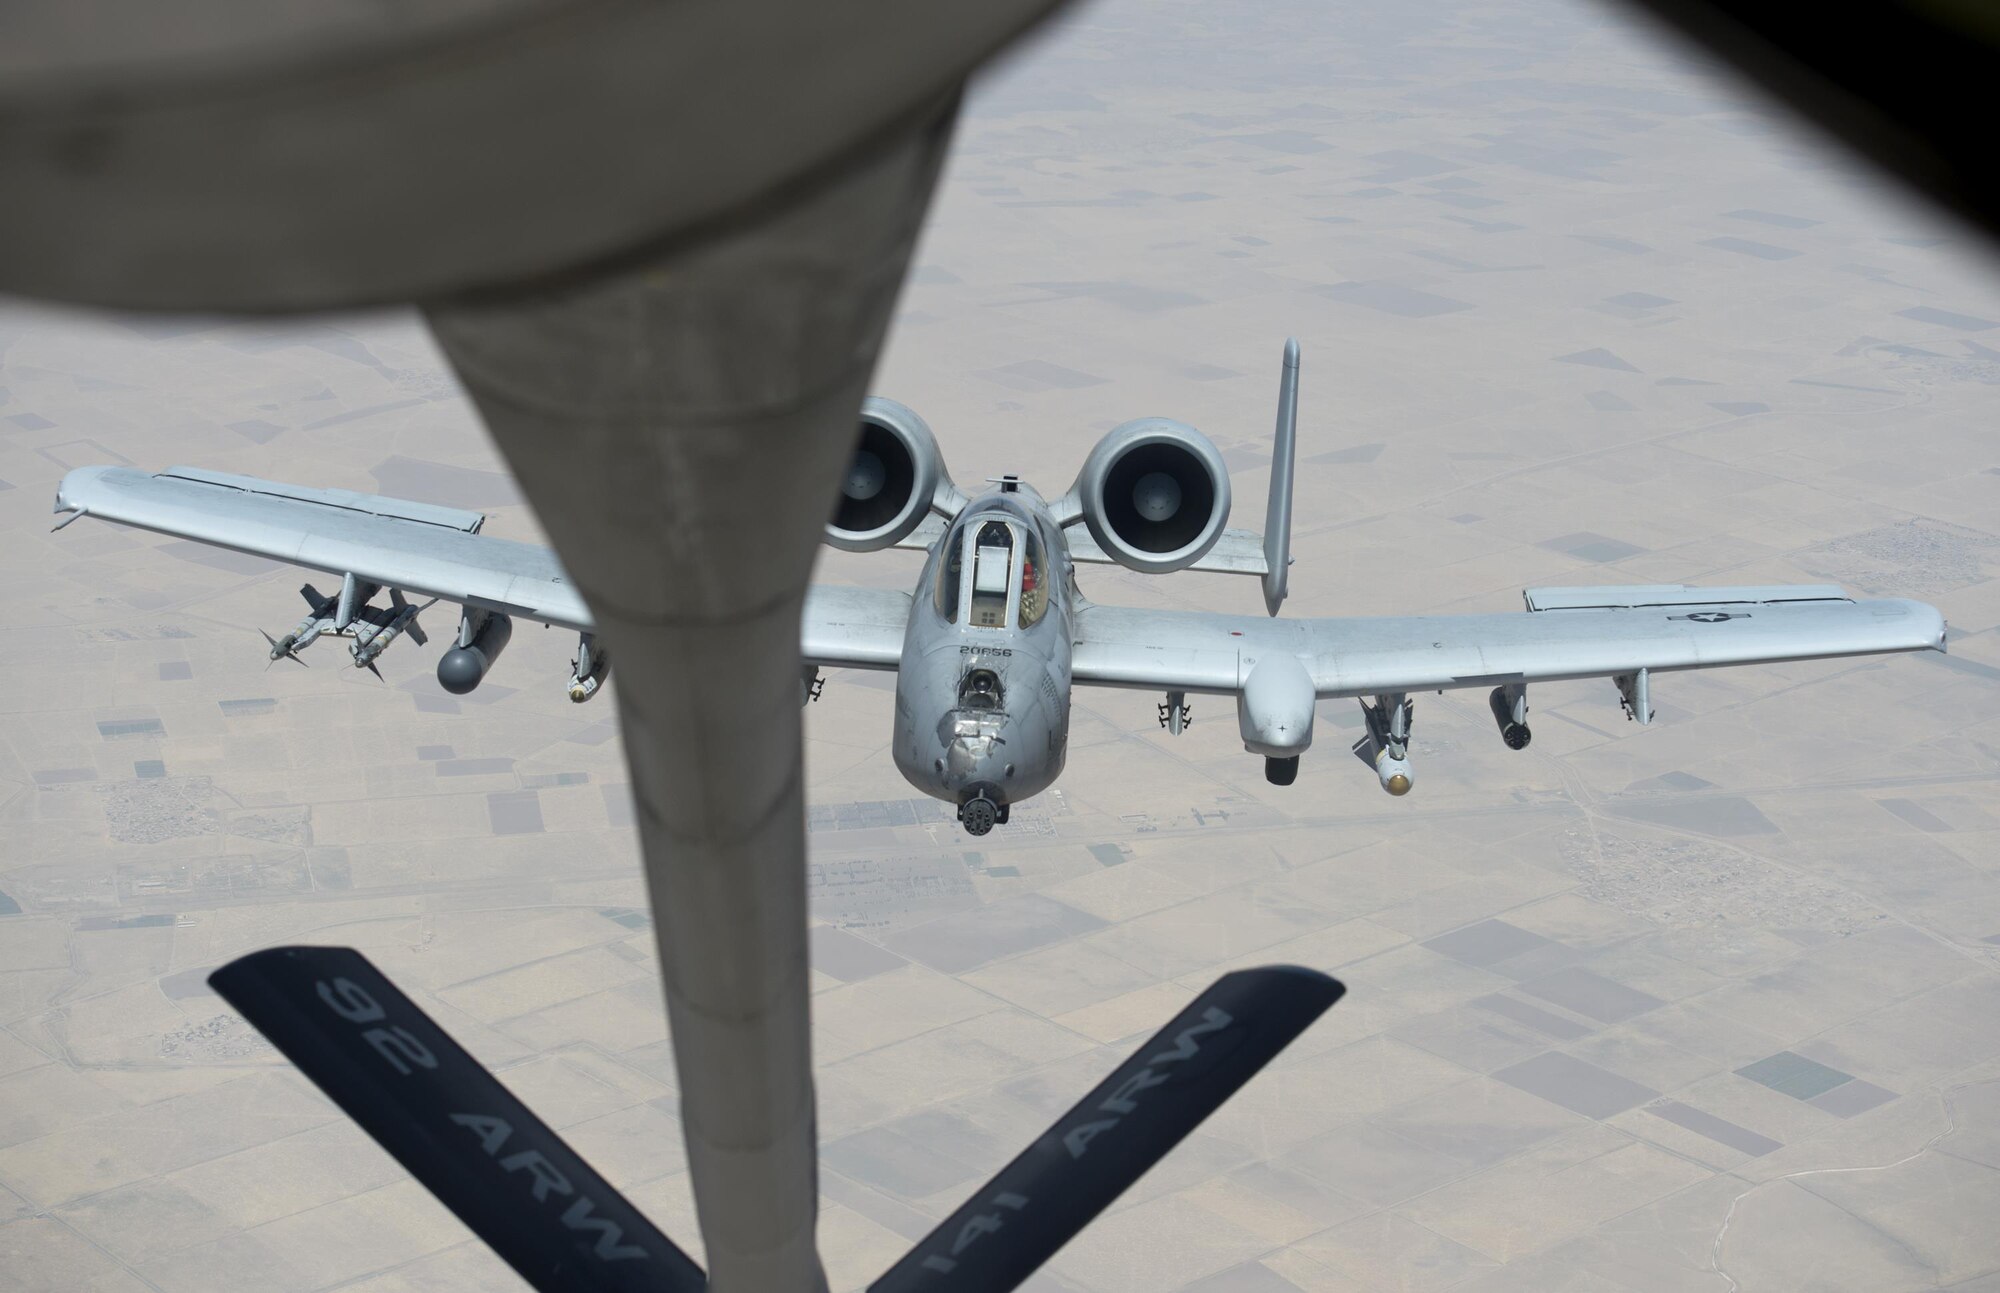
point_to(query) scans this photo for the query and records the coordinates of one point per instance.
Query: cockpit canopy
(1009, 584)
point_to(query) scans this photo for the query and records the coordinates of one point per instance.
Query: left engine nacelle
(890, 482)
(1155, 494)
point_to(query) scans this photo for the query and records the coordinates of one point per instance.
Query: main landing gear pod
(1274, 714)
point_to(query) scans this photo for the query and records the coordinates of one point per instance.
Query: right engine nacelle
(890, 481)
(1155, 495)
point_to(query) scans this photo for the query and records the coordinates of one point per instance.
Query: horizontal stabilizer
(1236, 552)
(1078, 1167)
(465, 1137)
(925, 536)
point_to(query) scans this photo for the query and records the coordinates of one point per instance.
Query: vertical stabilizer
(1278, 514)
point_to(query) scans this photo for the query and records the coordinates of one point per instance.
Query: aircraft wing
(416, 547)
(427, 550)
(1565, 633)
(854, 628)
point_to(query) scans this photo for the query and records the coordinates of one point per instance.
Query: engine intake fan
(1155, 494)
(890, 481)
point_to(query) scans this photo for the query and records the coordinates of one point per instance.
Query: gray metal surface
(342, 499)
(1122, 647)
(854, 628)
(681, 432)
(1236, 552)
(1617, 596)
(434, 560)
(1013, 745)
(309, 156)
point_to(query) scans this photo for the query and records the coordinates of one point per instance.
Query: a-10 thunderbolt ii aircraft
(997, 630)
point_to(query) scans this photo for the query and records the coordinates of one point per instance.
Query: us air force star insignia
(1710, 617)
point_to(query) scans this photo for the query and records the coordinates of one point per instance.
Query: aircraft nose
(970, 759)
(975, 752)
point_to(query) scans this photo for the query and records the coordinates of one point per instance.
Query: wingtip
(1936, 624)
(78, 489)
(1291, 352)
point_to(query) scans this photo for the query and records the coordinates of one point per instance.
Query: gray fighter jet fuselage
(988, 645)
(982, 691)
